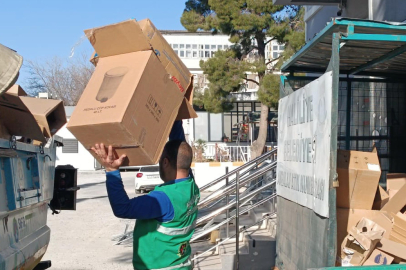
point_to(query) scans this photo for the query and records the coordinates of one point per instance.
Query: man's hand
(108, 161)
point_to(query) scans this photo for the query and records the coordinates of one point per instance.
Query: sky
(42, 29)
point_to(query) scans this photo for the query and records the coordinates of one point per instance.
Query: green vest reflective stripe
(176, 231)
(165, 245)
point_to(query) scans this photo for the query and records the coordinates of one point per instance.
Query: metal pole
(227, 202)
(237, 220)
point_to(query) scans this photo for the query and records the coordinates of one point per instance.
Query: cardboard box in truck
(29, 117)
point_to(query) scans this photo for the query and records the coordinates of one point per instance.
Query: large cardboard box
(29, 117)
(129, 103)
(358, 176)
(132, 36)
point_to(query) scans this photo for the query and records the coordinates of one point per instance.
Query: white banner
(304, 131)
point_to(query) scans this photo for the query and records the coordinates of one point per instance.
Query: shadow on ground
(85, 199)
(91, 184)
(126, 257)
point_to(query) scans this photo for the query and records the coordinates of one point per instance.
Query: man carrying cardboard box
(165, 217)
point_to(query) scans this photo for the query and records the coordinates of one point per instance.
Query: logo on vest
(182, 249)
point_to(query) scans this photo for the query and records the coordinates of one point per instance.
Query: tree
(251, 25)
(62, 79)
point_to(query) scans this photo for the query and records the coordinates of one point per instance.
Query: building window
(194, 46)
(188, 46)
(213, 47)
(181, 46)
(188, 54)
(201, 124)
(70, 146)
(216, 127)
(282, 47)
(207, 47)
(219, 47)
(177, 52)
(225, 47)
(194, 54)
(207, 54)
(201, 55)
(275, 47)
(212, 53)
(175, 46)
(275, 55)
(182, 54)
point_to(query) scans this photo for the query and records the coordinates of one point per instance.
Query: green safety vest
(165, 245)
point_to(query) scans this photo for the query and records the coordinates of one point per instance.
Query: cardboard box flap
(397, 202)
(16, 90)
(49, 114)
(394, 181)
(119, 38)
(381, 198)
(186, 111)
(169, 59)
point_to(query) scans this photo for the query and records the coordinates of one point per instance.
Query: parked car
(147, 178)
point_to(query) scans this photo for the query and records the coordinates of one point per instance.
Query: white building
(210, 127)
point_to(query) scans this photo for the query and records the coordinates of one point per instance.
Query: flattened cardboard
(129, 103)
(49, 114)
(393, 248)
(379, 257)
(360, 242)
(394, 181)
(397, 202)
(358, 176)
(348, 218)
(17, 118)
(381, 198)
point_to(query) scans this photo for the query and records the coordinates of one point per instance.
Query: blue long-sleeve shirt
(155, 205)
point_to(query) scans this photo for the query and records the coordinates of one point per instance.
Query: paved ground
(81, 239)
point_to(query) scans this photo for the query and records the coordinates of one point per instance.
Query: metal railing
(255, 170)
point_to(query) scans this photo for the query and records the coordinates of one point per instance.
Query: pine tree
(251, 25)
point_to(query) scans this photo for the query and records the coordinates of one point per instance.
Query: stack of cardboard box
(138, 89)
(371, 224)
(35, 120)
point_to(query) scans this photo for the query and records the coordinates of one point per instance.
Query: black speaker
(65, 188)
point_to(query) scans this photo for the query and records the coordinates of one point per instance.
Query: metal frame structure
(354, 50)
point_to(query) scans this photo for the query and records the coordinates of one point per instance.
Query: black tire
(138, 191)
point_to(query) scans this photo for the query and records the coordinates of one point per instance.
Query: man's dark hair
(179, 153)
